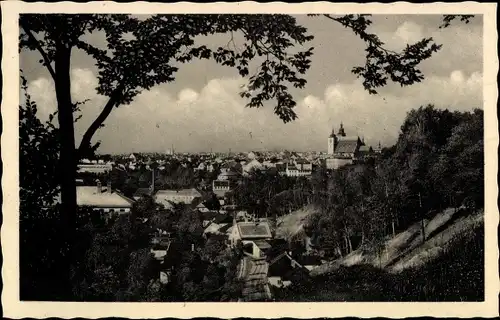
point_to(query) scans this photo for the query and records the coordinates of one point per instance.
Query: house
(95, 168)
(228, 176)
(247, 232)
(160, 247)
(231, 166)
(253, 274)
(364, 153)
(216, 229)
(105, 200)
(378, 149)
(186, 196)
(252, 165)
(284, 270)
(200, 167)
(221, 187)
(309, 262)
(208, 217)
(201, 207)
(298, 168)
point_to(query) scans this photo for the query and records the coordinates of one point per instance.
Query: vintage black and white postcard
(232, 159)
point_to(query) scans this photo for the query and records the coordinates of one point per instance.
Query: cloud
(408, 32)
(216, 118)
(462, 44)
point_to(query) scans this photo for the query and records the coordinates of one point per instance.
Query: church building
(343, 149)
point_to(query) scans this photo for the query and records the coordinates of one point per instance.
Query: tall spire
(333, 132)
(341, 130)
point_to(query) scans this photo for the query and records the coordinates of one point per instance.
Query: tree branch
(362, 33)
(92, 129)
(46, 59)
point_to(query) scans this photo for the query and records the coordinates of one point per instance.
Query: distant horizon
(202, 110)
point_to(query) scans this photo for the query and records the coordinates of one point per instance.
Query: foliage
(140, 54)
(268, 192)
(382, 64)
(457, 275)
(436, 163)
(41, 233)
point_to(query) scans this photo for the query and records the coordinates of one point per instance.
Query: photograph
(240, 156)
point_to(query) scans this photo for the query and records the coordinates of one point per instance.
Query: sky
(202, 110)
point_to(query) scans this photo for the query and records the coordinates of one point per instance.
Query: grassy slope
(293, 223)
(447, 267)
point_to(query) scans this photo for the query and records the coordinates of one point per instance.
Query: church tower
(331, 142)
(341, 130)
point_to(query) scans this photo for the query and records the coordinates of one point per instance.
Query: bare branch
(39, 48)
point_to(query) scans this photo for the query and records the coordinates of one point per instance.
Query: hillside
(293, 223)
(447, 267)
(406, 250)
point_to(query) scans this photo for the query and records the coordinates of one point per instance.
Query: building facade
(345, 150)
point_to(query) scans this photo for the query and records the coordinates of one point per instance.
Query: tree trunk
(348, 240)
(423, 228)
(67, 164)
(67, 137)
(346, 244)
(393, 228)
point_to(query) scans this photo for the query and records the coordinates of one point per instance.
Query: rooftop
(89, 196)
(183, 192)
(252, 230)
(346, 146)
(254, 275)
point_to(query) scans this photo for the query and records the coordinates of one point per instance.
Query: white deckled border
(13, 308)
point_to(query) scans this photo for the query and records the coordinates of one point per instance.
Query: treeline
(269, 193)
(437, 162)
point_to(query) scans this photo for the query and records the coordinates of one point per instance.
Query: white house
(252, 165)
(186, 196)
(95, 167)
(247, 232)
(105, 200)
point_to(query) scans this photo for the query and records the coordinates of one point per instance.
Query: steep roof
(254, 275)
(346, 146)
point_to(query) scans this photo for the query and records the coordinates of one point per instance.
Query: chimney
(99, 186)
(109, 186)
